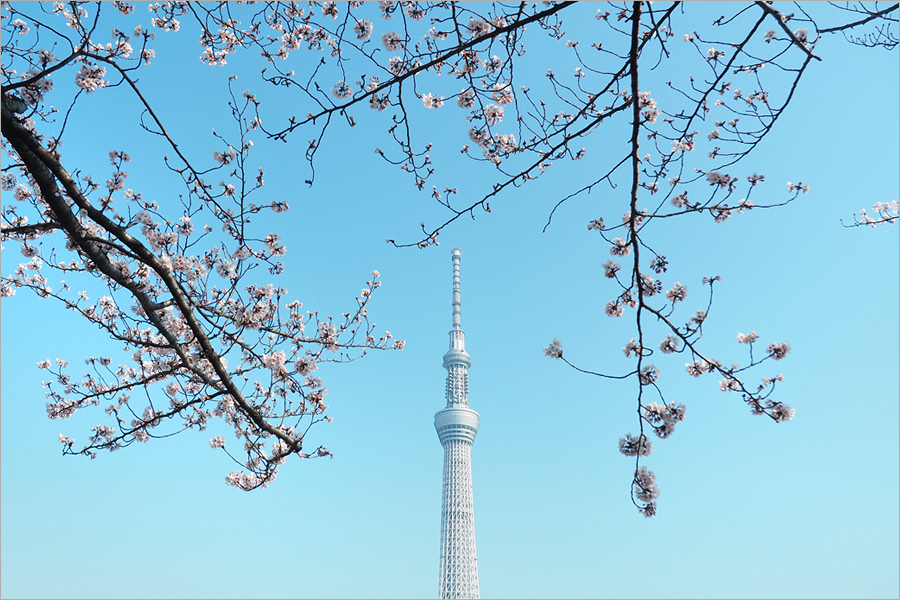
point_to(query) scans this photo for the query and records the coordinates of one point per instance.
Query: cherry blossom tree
(659, 148)
(208, 338)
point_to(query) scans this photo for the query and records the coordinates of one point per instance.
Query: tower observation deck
(456, 426)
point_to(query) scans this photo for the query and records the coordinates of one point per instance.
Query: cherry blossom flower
(329, 9)
(748, 338)
(465, 99)
(730, 384)
(90, 78)
(716, 178)
(392, 41)
(502, 93)
(226, 158)
(363, 29)
(596, 224)
(554, 350)
(217, 442)
(677, 293)
(620, 247)
(493, 114)
(432, 101)
(669, 345)
(635, 445)
(782, 412)
(479, 27)
(610, 269)
(648, 104)
(342, 90)
(479, 136)
(305, 365)
(632, 346)
(414, 12)
(645, 488)
(778, 350)
(649, 375)
(649, 285)
(694, 369)
(20, 27)
(613, 309)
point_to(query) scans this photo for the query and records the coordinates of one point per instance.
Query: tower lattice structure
(456, 426)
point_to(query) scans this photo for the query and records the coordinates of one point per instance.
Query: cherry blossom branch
(871, 17)
(782, 22)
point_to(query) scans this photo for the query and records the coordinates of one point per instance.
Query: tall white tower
(456, 426)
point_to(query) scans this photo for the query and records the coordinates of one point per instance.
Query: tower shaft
(456, 426)
(459, 565)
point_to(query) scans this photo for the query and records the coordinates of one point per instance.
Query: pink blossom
(669, 345)
(748, 338)
(635, 445)
(632, 346)
(649, 285)
(90, 78)
(778, 350)
(392, 41)
(305, 365)
(479, 27)
(329, 9)
(613, 309)
(502, 93)
(275, 362)
(226, 158)
(217, 442)
(493, 114)
(465, 99)
(716, 178)
(596, 224)
(342, 90)
(694, 370)
(782, 412)
(677, 293)
(649, 375)
(363, 29)
(619, 247)
(554, 350)
(610, 269)
(645, 488)
(432, 101)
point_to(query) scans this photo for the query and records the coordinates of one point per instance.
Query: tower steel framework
(456, 426)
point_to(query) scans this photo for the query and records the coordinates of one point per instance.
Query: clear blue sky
(748, 508)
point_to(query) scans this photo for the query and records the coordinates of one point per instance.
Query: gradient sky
(748, 508)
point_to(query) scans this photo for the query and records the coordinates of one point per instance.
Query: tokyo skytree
(456, 426)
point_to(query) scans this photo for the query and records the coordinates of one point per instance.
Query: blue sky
(747, 508)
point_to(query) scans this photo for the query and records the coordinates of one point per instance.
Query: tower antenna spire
(456, 253)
